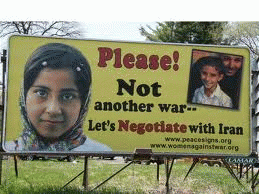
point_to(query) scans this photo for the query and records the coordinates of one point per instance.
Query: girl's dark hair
(210, 61)
(59, 56)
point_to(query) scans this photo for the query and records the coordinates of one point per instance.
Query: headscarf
(56, 56)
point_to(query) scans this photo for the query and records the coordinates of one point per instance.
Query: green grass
(50, 176)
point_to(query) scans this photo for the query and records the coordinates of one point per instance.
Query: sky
(117, 30)
(133, 10)
(121, 20)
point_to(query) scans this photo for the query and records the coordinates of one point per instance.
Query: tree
(246, 34)
(40, 28)
(186, 32)
(164, 32)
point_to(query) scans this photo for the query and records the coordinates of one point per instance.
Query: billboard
(91, 96)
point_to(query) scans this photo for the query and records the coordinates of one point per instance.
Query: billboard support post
(157, 172)
(230, 170)
(73, 179)
(168, 172)
(252, 173)
(139, 154)
(85, 175)
(15, 165)
(254, 183)
(1, 163)
(112, 176)
(85, 179)
(3, 60)
(195, 161)
(226, 164)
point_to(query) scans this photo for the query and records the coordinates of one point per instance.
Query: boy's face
(210, 76)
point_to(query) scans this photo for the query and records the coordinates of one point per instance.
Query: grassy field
(51, 175)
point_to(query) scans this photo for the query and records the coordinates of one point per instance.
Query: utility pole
(3, 60)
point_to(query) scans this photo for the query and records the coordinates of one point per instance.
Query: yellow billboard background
(172, 85)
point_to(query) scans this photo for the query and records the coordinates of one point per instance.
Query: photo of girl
(54, 100)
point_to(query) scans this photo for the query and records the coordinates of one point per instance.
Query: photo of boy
(210, 70)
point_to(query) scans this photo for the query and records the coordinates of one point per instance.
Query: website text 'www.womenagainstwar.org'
(203, 144)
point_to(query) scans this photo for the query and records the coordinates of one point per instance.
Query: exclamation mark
(176, 58)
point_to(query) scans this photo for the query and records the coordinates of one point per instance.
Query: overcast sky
(117, 30)
(133, 10)
(121, 20)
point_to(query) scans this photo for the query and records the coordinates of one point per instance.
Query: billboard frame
(115, 153)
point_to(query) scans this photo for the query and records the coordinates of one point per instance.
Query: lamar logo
(240, 160)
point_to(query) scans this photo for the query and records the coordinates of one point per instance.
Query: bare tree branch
(245, 33)
(17, 27)
(40, 28)
(47, 29)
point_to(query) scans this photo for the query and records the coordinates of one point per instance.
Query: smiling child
(211, 71)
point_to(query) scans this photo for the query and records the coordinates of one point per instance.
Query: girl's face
(53, 102)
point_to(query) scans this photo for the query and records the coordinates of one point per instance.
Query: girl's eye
(41, 93)
(68, 97)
